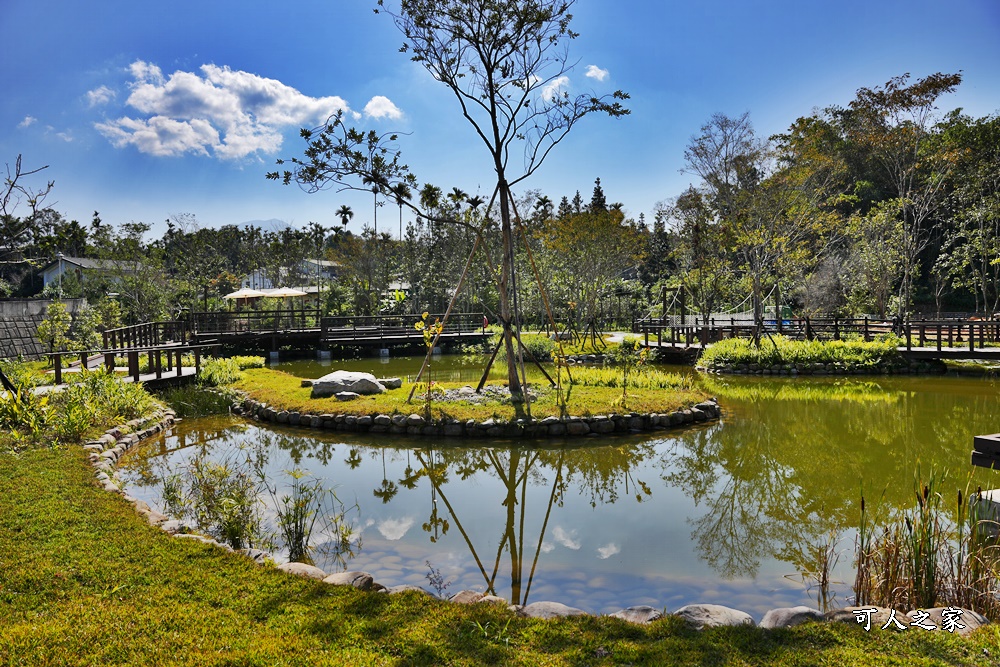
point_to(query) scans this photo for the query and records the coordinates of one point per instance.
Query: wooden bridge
(309, 327)
(923, 339)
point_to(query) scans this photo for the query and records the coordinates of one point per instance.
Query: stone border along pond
(105, 452)
(415, 424)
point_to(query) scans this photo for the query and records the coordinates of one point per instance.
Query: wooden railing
(370, 327)
(938, 334)
(250, 321)
(163, 360)
(146, 334)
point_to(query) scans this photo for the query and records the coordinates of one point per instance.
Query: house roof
(90, 263)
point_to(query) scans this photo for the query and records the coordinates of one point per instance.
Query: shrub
(194, 401)
(780, 350)
(220, 372)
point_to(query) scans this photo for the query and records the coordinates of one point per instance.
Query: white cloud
(382, 107)
(394, 529)
(555, 87)
(595, 72)
(27, 122)
(100, 96)
(548, 547)
(215, 112)
(608, 550)
(65, 136)
(567, 538)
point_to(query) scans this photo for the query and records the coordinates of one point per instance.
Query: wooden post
(836, 329)
(867, 336)
(923, 332)
(109, 361)
(972, 338)
(938, 336)
(158, 364)
(808, 329)
(57, 365)
(133, 365)
(197, 361)
(906, 325)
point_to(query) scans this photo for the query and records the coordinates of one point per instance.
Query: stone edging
(832, 368)
(416, 424)
(104, 453)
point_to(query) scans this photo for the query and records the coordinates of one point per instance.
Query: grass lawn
(85, 581)
(284, 391)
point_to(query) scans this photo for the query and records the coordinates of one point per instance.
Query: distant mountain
(272, 225)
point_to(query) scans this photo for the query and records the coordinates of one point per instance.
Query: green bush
(780, 350)
(196, 401)
(220, 372)
(244, 362)
(539, 345)
(18, 372)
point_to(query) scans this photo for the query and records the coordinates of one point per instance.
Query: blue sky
(147, 110)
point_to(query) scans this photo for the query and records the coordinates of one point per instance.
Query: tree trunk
(507, 316)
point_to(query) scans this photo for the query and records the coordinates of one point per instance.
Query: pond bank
(417, 425)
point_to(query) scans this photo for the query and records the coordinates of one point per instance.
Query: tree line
(878, 207)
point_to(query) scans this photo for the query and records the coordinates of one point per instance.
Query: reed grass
(925, 557)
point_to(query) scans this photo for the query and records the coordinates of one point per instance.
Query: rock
(196, 538)
(786, 617)
(639, 614)
(466, 597)
(307, 383)
(174, 526)
(360, 580)
(492, 599)
(878, 618)
(602, 425)
(156, 518)
(415, 420)
(577, 428)
(393, 590)
(256, 555)
(701, 616)
(970, 619)
(303, 570)
(383, 420)
(550, 610)
(391, 383)
(340, 381)
(347, 395)
(699, 415)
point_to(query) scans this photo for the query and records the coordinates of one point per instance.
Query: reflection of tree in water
(777, 480)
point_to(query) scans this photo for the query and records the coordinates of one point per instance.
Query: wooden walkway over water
(308, 327)
(923, 339)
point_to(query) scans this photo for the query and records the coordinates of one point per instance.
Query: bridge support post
(57, 366)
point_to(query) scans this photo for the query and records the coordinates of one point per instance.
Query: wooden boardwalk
(308, 327)
(946, 339)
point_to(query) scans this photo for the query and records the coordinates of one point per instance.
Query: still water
(729, 513)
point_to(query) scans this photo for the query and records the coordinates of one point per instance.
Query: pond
(731, 513)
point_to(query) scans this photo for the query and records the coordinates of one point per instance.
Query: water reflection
(736, 513)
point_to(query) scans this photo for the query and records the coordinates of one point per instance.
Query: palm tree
(401, 192)
(345, 214)
(378, 185)
(457, 197)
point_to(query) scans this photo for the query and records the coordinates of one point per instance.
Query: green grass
(284, 391)
(781, 350)
(74, 592)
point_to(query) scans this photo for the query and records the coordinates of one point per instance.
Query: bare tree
(506, 63)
